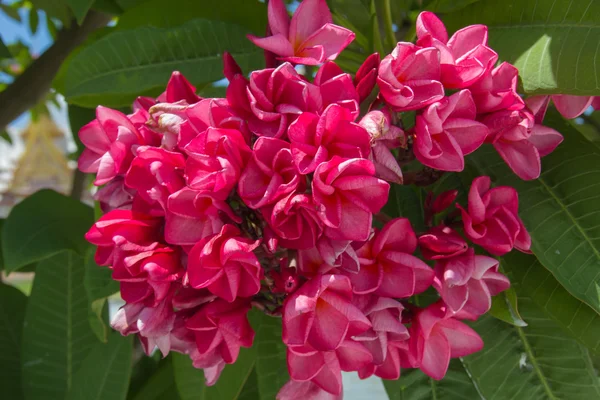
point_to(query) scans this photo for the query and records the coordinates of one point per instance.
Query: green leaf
(34, 20)
(535, 362)
(80, 8)
(99, 285)
(112, 73)
(504, 307)
(78, 117)
(4, 135)
(98, 281)
(250, 389)
(190, 381)
(446, 6)
(271, 364)
(107, 6)
(574, 317)
(98, 318)
(42, 225)
(560, 209)
(4, 52)
(247, 13)
(552, 43)
(406, 201)
(56, 334)
(11, 12)
(161, 385)
(12, 314)
(58, 9)
(415, 385)
(105, 372)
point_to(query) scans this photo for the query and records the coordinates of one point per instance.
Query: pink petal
(429, 24)
(308, 18)
(279, 20)
(571, 106)
(522, 157)
(436, 356)
(545, 139)
(467, 39)
(277, 44)
(332, 37)
(462, 339)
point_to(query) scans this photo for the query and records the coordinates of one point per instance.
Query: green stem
(389, 26)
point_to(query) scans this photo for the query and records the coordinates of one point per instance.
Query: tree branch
(32, 85)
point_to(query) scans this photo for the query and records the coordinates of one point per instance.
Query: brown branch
(79, 181)
(31, 86)
(424, 177)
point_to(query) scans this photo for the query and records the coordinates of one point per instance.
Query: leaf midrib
(534, 362)
(571, 217)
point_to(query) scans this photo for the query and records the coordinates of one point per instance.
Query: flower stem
(389, 26)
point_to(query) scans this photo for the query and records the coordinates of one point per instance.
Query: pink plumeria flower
(310, 37)
(497, 90)
(223, 328)
(387, 266)
(320, 314)
(324, 368)
(270, 174)
(467, 283)
(492, 218)
(464, 58)
(316, 139)
(305, 390)
(348, 194)
(193, 215)
(520, 141)
(409, 78)
(435, 337)
(225, 265)
(447, 131)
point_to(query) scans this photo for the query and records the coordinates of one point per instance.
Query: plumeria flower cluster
(266, 199)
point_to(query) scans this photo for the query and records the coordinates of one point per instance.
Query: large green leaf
(122, 65)
(533, 280)
(12, 313)
(56, 334)
(190, 381)
(80, 8)
(445, 6)
(42, 225)
(553, 43)
(251, 14)
(535, 362)
(105, 372)
(560, 209)
(271, 365)
(98, 280)
(415, 385)
(99, 285)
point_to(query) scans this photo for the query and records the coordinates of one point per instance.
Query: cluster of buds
(265, 199)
